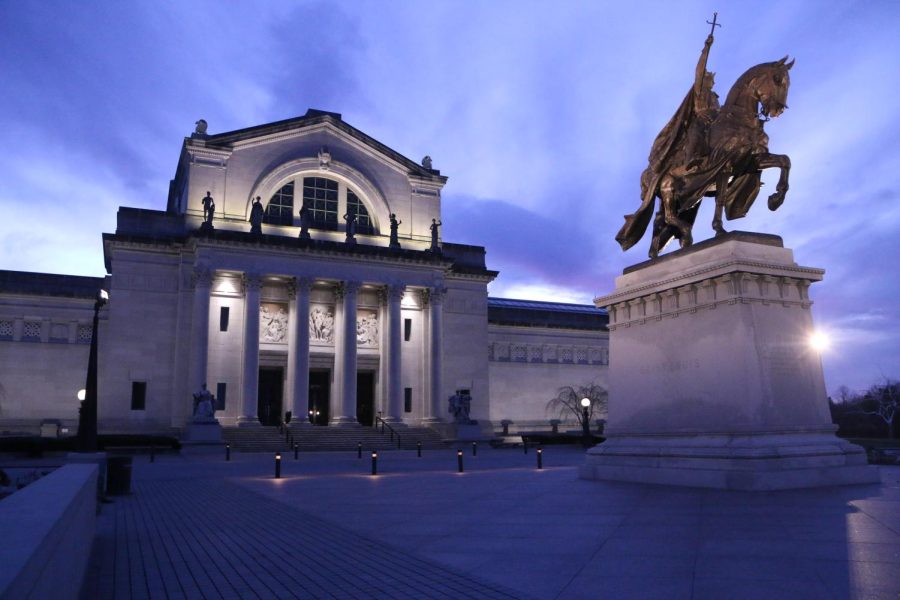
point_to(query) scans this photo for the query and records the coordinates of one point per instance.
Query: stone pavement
(198, 527)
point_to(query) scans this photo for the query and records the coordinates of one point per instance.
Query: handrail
(391, 429)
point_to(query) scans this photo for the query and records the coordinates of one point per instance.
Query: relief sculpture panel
(367, 329)
(273, 323)
(321, 324)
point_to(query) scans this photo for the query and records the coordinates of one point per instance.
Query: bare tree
(568, 402)
(883, 401)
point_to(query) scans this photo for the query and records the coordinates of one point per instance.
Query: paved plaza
(198, 527)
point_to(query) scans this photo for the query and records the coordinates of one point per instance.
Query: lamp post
(586, 422)
(87, 414)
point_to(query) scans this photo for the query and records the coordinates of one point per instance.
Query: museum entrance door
(269, 395)
(365, 398)
(319, 396)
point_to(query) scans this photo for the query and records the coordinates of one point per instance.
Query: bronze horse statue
(708, 151)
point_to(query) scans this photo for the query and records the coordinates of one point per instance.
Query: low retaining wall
(46, 533)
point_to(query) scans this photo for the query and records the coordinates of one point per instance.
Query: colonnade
(296, 396)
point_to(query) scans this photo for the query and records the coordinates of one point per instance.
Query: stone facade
(330, 329)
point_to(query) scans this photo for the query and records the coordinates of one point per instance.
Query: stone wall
(47, 530)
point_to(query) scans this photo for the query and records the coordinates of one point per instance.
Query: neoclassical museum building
(299, 267)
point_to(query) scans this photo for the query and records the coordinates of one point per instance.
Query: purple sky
(542, 115)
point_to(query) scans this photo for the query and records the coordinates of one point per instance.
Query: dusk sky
(542, 115)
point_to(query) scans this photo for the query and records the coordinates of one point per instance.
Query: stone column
(392, 355)
(252, 286)
(202, 281)
(435, 308)
(348, 355)
(298, 351)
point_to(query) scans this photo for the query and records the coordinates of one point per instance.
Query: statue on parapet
(350, 230)
(395, 242)
(209, 211)
(435, 224)
(304, 222)
(204, 406)
(705, 150)
(257, 212)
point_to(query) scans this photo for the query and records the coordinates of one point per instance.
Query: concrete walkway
(198, 527)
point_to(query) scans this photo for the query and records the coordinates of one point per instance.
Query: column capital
(251, 281)
(346, 288)
(295, 284)
(395, 292)
(434, 295)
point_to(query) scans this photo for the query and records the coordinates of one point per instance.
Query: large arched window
(327, 200)
(280, 210)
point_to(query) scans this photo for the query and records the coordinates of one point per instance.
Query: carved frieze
(273, 323)
(367, 329)
(321, 324)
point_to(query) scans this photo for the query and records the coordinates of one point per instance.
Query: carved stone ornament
(367, 329)
(273, 323)
(321, 325)
(324, 158)
(250, 281)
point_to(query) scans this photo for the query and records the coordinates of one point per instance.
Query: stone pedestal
(712, 380)
(203, 431)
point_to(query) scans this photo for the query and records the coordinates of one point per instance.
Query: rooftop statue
(705, 150)
(257, 213)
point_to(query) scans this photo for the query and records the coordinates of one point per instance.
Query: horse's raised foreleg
(783, 162)
(721, 186)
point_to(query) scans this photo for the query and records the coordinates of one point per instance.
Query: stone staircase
(312, 438)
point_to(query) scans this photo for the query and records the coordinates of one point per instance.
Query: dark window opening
(138, 395)
(320, 196)
(407, 329)
(407, 400)
(221, 390)
(280, 210)
(223, 318)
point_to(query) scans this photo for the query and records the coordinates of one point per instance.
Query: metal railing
(379, 420)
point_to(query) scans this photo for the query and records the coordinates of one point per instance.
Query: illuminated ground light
(819, 341)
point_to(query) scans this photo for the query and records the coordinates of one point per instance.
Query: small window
(138, 395)
(221, 390)
(407, 400)
(407, 329)
(223, 318)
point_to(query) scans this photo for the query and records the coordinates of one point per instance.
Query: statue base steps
(712, 380)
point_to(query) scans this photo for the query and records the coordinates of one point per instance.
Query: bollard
(296, 452)
(152, 453)
(359, 450)
(459, 460)
(540, 452)
(525, 445)
(419, 449)
(374, 462)
(227, 452)
(278, 465)
(474, 448)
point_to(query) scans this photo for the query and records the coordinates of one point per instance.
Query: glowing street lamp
(586, 421)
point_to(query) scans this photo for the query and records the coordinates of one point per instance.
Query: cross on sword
(713, 23)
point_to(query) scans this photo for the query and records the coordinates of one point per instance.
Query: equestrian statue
(712, 151)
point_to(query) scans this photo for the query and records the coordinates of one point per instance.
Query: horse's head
(772, 86)
(766, 84)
